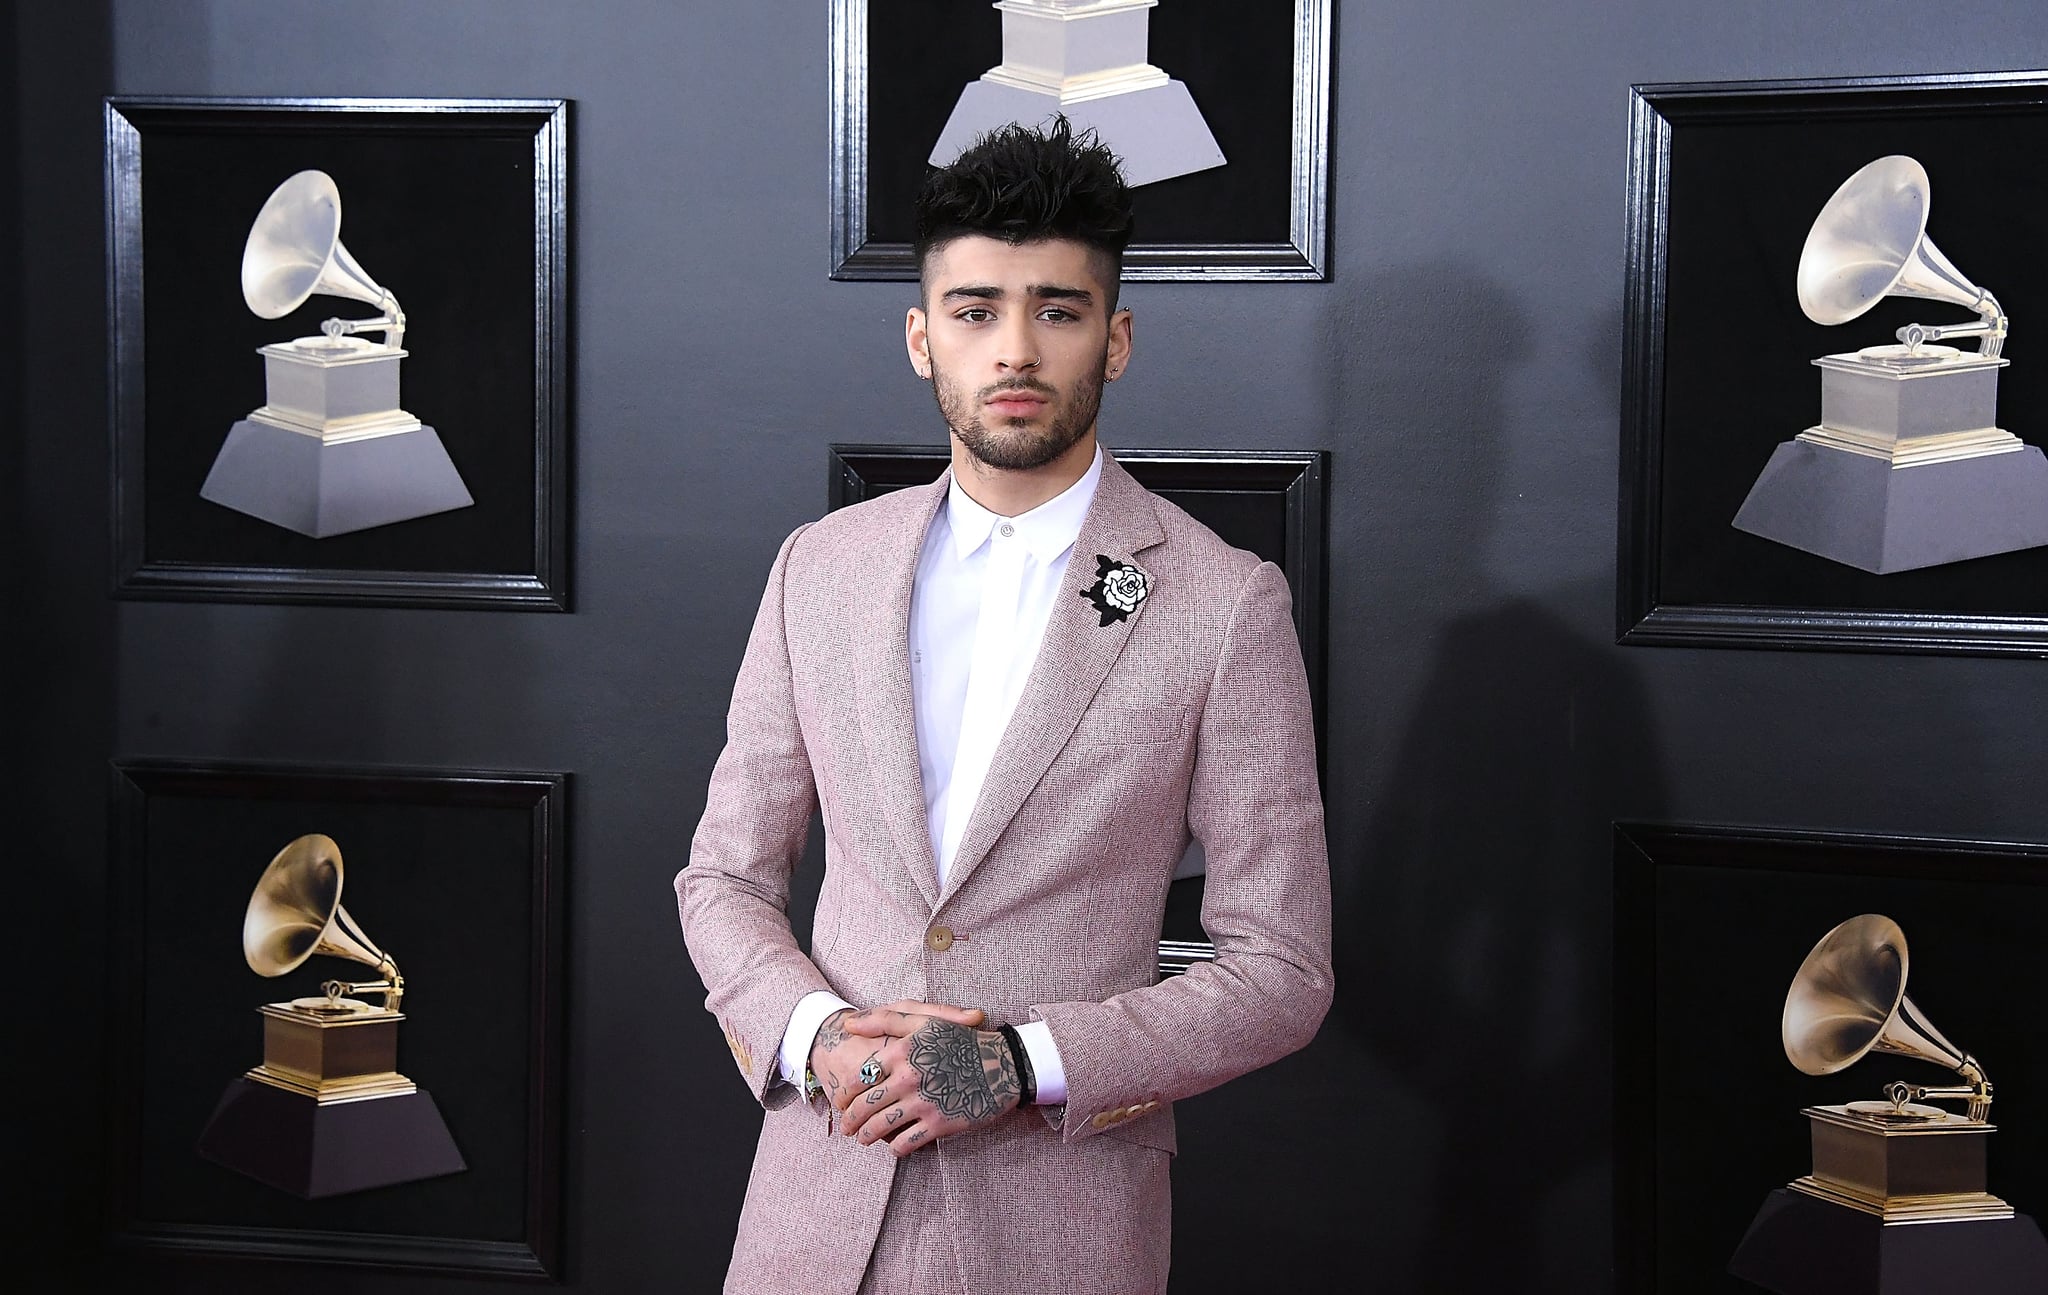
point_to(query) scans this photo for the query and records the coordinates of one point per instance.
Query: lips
(1015, 404)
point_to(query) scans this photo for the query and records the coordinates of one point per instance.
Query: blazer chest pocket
(1109, 724)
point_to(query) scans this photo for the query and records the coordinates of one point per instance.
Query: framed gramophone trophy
(284, 429)
(1896, 1202)
(326, 1112)
(1907, 467)
(329, 451)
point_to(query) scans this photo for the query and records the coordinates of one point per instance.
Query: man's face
(1017, 340)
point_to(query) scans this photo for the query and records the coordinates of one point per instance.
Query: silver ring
(870, 1071)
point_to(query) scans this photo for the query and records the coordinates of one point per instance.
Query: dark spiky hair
(1023, 185)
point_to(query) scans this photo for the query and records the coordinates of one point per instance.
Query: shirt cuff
(811, 1011)
(1044, 1055)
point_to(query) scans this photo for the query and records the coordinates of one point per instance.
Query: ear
(1118, 357)
(917, 342)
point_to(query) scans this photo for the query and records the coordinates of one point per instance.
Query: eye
(975, 315)
(1057, 315)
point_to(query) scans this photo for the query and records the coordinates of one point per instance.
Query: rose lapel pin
(1118, 589)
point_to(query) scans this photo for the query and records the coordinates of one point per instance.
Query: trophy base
(1802, 1245)
(320, 488)
(312, 1149)
(1859, 510)
(1922, 1166)
(331, 1056)
(1157, 130)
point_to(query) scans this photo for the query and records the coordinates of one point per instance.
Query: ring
(870, 1071)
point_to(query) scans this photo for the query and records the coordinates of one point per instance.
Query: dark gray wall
(1462, 365)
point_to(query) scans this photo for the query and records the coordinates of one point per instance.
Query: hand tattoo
(895, 1114)
(833, 1032)
(877, 1095)
(966, 1073)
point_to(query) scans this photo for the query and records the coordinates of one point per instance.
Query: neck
(1008, 492)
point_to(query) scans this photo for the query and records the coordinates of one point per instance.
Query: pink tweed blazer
(1191, 716)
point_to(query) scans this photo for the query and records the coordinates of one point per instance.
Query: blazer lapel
(1073, 658)
(888, 717)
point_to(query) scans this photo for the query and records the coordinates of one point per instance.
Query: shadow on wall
(1474, 930)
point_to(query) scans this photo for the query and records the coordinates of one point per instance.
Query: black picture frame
(1259, 73)
(1725, 179)
(459, 875)
(461, 208)
(1711, 925)
(1270, 502)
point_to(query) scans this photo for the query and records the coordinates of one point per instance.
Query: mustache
(1032, 385)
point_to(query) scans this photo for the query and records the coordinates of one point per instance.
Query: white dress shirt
(986, 586)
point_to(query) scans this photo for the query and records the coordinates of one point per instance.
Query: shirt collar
(1047, 530)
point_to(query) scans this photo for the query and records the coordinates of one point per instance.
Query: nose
(1018, 352)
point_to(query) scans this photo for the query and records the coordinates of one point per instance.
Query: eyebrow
(1036, 291)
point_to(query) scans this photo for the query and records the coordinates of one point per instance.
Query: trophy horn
(295, 912)
(1849, 1000)
(295, 252)
(1870, 242)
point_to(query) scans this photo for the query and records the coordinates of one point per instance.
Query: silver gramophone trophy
(329, 451)
(327, 1112)
(1907, 468)
(1088, 59)
(1898, 1186)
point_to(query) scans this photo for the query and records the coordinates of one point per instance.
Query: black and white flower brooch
(1118, 589)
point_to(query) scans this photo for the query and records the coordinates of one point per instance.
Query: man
(1013, 695)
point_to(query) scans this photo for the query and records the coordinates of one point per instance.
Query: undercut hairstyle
(1026, 186)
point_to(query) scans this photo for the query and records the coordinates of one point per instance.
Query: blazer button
(940, 938)
(1101, 1121)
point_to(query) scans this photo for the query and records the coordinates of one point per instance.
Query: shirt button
(1006, 530)
(940, 938)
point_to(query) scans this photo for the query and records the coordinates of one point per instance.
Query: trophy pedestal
(1801, 1245)
(1861, 511)
(330, 451)
(1090, 62)
(322, 488)
(1157, 131)
(1905, 469)
(326, 1112)
(310, 1149)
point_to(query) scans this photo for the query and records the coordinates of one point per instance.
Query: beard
(1013, 444)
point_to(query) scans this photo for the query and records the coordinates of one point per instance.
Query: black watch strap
(1027, 1082)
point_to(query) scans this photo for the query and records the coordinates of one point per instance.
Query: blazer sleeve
(1254, 803)
(733, 896)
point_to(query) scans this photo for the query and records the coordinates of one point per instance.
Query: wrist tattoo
(966, 1073)
(832, 1032)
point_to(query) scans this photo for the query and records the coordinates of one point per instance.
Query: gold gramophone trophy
(1907, 467)
(329, 451)
(327, 1112)
(1898, 1186)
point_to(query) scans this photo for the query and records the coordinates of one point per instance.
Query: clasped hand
(938, 1074)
